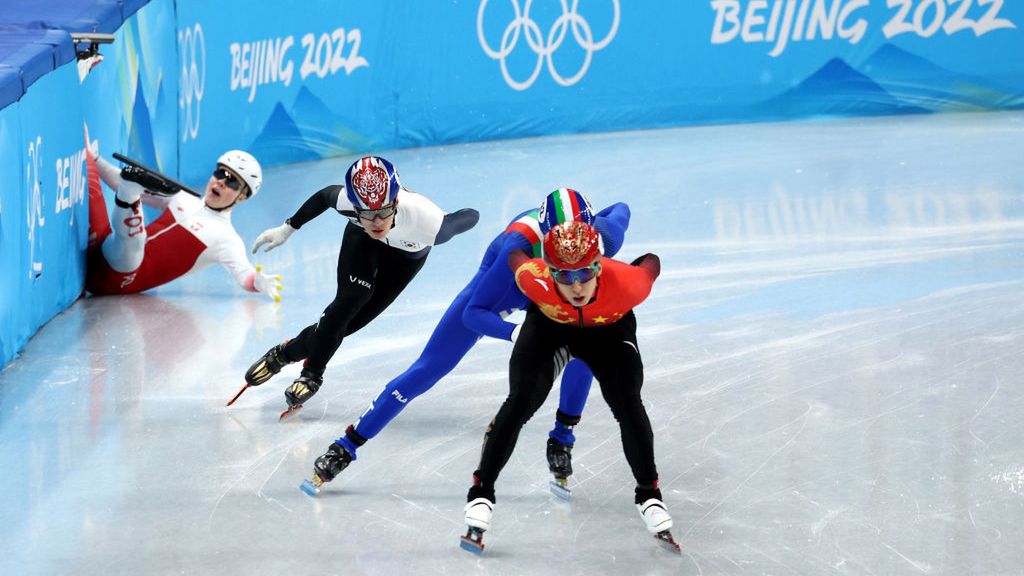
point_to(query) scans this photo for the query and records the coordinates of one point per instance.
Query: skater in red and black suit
(582, 303)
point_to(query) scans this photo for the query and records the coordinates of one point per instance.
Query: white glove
(273, 237)
(515, 332)
(268, 284)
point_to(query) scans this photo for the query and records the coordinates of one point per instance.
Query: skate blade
(289, 412)
(237, 394)
(560, 488)
(311, 487)
(473, 541)
(667, 542)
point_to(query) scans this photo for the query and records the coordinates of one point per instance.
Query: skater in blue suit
(480, 310)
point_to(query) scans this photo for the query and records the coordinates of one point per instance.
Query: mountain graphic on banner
(836, 89)
(310, 131)
(282, 140)
(918, 81)
(140, 132)
(324, 128)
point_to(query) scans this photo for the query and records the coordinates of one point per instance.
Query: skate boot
(326, 467)
(478, 518)
(301, 390)
(560, 464)
(263, 369)
(658, 522)
(267, 366)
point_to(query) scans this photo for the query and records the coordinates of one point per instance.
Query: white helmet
(246, 166)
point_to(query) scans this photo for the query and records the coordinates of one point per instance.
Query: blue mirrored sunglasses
(381, 213)
(582, 274)
(228, 178)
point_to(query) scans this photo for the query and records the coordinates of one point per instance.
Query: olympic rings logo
(543, 47)
(192, 45)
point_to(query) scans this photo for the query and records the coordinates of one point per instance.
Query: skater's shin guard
(125, 248)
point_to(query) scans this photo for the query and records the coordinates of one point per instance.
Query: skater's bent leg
(448, 344)
(126, 246)
(297, 348)
(328, 333)
(530, 381)
(393, 275)
(618, 367)
(99, 220)
(576, 381)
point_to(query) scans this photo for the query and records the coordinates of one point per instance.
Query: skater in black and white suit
(389, 235)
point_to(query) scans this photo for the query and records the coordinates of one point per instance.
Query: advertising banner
(14, 326)
(53, 155)
(322, 78)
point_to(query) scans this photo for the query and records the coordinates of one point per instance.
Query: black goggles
(582, 274)
(382, 213)
(229, 179)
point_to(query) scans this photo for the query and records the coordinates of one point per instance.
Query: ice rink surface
(834, 355)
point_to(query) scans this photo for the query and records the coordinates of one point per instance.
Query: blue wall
(307, 79)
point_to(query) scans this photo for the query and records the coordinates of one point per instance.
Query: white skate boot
(658, 522)
(478, 513)
(478, 518)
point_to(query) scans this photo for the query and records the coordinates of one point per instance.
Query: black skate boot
(149, 181)
(326, 467)
(560, 464)
(267, 366)
(301, 390)
(263, 369)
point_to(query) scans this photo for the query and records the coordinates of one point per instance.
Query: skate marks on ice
(832, 392)
(846, 449)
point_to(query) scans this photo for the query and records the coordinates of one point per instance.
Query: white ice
(833, 372)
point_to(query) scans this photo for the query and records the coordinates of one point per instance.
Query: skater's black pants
(371, 275)
(612, 354)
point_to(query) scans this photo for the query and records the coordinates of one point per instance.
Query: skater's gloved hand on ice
(269, 284)
(273, 237)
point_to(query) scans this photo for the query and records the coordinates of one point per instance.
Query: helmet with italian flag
(564, 205)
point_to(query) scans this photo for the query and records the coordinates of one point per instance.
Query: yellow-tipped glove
(269, 284)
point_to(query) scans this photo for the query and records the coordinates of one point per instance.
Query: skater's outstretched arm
(483, 313)
(456, 223)
(611, 223)
(314, 206)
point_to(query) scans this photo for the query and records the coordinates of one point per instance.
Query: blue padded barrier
(11, 87)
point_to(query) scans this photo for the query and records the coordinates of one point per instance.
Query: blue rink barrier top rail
(35, 37)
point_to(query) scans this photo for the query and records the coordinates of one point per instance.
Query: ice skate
(560, 464)
(658, 523)
(267, 366)
(238, 394)
(263, 369)
(326, 467)
(301, 390)
(478, 518)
